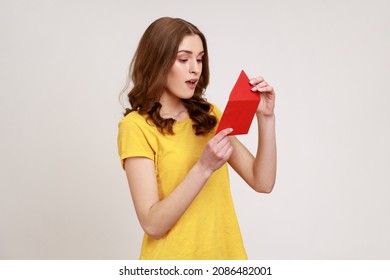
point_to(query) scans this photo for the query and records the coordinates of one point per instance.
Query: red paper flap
(241, 107)
(242, 89)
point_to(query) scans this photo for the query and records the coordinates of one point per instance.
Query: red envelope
(241, 107)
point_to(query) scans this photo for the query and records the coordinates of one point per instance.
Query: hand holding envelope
(240, 108)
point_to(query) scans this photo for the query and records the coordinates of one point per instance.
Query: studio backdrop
(63, 193)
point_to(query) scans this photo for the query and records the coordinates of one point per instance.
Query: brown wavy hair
(149, 68)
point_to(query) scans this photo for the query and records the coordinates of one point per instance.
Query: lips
(191, 83)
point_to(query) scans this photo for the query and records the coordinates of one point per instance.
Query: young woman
(175, 164)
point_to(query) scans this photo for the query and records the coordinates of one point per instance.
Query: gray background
(63, 194)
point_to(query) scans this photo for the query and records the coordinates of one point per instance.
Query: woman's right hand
(217, 151)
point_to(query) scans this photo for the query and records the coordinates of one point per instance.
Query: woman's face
(187, 68)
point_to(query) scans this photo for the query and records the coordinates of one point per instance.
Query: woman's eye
(183, 60)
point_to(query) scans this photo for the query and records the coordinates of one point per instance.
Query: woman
(175, 164)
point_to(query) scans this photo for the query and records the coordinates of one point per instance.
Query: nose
(195, 67)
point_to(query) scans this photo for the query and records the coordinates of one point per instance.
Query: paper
(240, 108)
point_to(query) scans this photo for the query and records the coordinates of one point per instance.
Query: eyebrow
(189, 52)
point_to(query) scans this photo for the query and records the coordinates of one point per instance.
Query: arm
(157, 216)
(259, 172)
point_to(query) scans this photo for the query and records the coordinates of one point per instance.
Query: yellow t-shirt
(209, 228)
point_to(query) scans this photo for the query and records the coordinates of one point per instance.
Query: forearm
(264, 168)
(164, 214)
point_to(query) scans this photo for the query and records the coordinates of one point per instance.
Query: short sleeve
(133, 140)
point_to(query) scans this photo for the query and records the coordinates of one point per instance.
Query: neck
(172, 107)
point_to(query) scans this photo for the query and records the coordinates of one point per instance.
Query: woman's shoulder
(135, 120)
(133, 117)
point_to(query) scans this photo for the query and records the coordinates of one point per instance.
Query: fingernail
(254, 89)
(252, 82)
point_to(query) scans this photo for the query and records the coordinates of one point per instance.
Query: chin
(187, 96)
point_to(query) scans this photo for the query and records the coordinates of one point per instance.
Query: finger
(259, 85)
(223, 144)
(228, 153)
(266, 89)
(225, 151)
(222, 134)
(255, 81)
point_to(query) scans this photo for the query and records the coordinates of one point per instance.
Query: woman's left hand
(267, 96)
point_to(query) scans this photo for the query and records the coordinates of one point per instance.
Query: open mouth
(192, 83)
